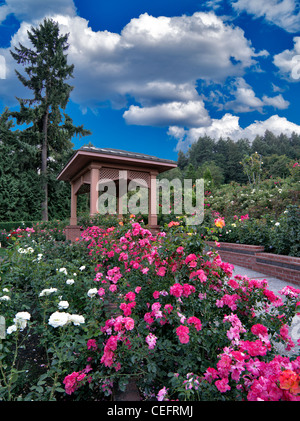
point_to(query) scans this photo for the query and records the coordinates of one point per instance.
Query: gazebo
(91, 166)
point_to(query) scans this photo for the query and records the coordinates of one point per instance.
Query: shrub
(280, 236)
(177, 308)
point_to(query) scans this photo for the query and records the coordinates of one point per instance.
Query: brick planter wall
(72, 232)
(279, 266)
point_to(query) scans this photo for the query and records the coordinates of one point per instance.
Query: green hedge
(13, 225)
(54, 227)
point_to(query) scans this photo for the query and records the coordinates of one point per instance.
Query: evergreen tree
(190, 172)
(294, 146)
(19, 181)
(49, 128)
(211, 171)
(182, 160)
(201, 151)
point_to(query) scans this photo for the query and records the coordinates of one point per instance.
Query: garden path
(275, 285)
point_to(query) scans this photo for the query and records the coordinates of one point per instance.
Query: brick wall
(282, 267)
(72, 232)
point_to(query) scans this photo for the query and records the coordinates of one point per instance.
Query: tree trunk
(44, 166)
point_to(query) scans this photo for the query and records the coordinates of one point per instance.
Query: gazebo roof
(88, 154)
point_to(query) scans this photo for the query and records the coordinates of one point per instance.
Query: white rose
(58, 319)
(82, 268)
(11, 329)
(77, 319)
(47, 291)
(23, 315)
(5, 298)
(63, 270)
(21, 319)
(92, 292)
(70, 282)
(63, 305)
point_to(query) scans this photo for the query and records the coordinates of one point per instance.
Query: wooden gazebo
(90, 165)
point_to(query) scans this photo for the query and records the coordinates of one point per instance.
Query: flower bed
(183, 327)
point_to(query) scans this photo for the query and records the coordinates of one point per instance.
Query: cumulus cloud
(276, 102)
(288, 61)
(246, 101)
(275, 124)
(30, 10)
(189, 114)
(245, 98)
(153, 59)
(283, 13)
(157, 92)
(228, 126)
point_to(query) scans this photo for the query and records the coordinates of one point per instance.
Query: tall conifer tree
(47, 72)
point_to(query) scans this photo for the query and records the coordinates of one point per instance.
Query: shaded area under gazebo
(91, 168)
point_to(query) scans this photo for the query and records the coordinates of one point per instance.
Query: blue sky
(153, 76)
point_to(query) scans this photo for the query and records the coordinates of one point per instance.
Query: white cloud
(31, 10)
(288, 61)
(189, 114)
(275, 124)
(156, 61)
(276, 102)
(283, 13)
(153, 60)
(156, 92)
(228, 126)
(276, 88)
(246, 101)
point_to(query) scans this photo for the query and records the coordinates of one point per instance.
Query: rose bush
(178, 310)
(165, 310)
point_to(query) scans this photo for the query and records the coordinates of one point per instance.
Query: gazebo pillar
(73, 219)
(73, 230)
(94, 192)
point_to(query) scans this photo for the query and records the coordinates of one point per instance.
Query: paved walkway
(275, 285)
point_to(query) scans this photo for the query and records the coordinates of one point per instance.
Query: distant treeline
(220, 160)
